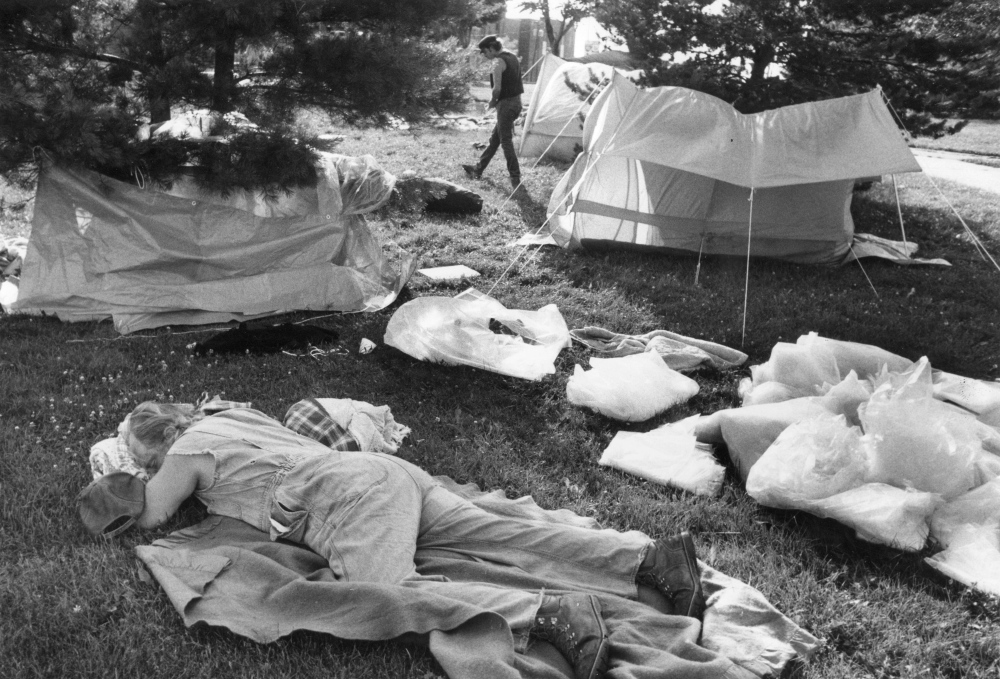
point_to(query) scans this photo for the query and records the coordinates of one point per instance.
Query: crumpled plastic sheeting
(668, 457)
(881, 514)
(916, 441)
(629, 388)
(803, 368)
(678, 352)
(928, 449)
(749, 432)
(810, 460)
(456, 331)
(100, 248)
(968, 528)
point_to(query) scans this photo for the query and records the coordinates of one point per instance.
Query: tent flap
(100, 247)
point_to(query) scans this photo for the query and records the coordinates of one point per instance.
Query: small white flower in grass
(78, 609)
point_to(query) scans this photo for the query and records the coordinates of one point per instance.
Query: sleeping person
(367, 514)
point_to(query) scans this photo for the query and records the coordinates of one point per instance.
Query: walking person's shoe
(515, 183)
(473, 171)
(674, 573)
(573, 624)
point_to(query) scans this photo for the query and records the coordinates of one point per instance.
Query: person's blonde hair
(160, 424)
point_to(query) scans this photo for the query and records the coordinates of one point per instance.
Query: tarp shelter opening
(675, 169)
(148, 257)
(553, 123)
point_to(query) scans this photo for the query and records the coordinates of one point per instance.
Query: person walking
(505, 79)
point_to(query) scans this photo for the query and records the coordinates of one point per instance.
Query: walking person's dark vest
(510, 81)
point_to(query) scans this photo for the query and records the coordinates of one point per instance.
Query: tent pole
(899, 209)
(746, 284)
(697, 269)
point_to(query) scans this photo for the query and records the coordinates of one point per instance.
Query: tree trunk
(752, 91)
(224, 82)
(763, 56)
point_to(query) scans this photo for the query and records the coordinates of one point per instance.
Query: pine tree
(83, 76)
(931, 61)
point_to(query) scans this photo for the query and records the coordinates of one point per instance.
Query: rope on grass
(547, 219)
(122, 338)
(858, 260)
(572, 191)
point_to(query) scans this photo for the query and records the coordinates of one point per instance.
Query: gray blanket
(222, 572)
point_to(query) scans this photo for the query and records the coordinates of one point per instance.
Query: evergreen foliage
(935, 59)
(83, 76)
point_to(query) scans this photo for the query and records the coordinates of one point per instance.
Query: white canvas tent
(676, 169)
(149, 258)
(553, 123)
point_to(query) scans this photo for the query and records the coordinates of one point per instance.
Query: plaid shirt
(309, 418)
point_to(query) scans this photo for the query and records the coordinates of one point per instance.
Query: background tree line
(80, 77)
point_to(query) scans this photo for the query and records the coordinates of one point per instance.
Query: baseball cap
(111, 504)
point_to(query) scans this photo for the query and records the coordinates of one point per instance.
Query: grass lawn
(77, 608)
(981, 137)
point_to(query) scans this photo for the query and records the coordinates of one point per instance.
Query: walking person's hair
(491, 42)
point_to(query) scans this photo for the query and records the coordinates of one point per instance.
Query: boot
(573, 624)
(674, 573)
(515, 183)
(473, 171)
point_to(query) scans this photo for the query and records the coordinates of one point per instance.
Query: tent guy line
(983, 252)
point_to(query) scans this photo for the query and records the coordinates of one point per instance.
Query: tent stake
(697, 269)
(746, 284)
(899, 209)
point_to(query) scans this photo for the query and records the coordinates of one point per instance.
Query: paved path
(953, 167)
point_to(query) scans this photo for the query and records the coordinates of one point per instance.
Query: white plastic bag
(881, 514)
(750, 431)
(916, 441)
(978, 507)
(810, 460)
(968, 528)
(629, 388)
(803, 368)
(457, 331)
(973, 560)
(666, 456)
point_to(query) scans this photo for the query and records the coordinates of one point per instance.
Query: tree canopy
(935, 59)
(81, 77)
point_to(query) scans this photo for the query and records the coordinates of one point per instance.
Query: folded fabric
(678, 352)
(346, 424)
(668, 458)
